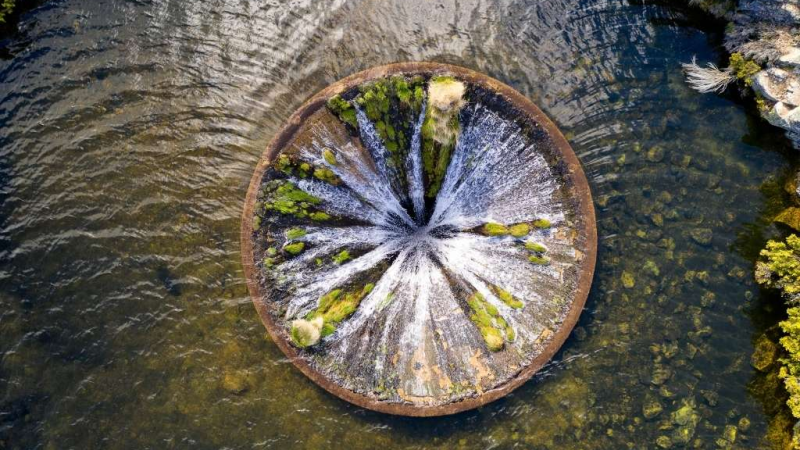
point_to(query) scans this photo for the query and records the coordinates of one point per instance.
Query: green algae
(535, 247)
(393, 105)
(494, 229)
(541, 223)
(492, 327)
(329, 157)
(326, 175)
(519, 230)
(319, 216)
(506, 297)
(294, 248)
(336, 306)
(540, 260)
(343, 110)
(288, 199)
(341, 257)
(295, 233)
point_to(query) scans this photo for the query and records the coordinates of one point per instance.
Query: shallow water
(130, 130)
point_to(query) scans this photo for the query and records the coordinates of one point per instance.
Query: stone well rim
(578, 188)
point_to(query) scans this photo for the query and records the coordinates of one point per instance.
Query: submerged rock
(701, 235)
(764, 354)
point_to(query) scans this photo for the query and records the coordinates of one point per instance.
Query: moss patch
(336, 306)
(493, 328)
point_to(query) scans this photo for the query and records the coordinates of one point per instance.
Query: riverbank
(764, 45)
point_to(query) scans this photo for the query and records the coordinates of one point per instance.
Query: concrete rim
(578, 187)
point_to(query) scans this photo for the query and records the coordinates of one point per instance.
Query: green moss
(289, 200)
(627, 280)
(541, 260)
(494, 229)
(534, 247)
(295, 233)
(743, 68)
(519, 230)
(341, 257)
(338, 305)
(493, 328)
(440, 131)
(284, 164)
(541, 223)
(506, 297)
(272, 251)
(344, 110)
(294, 248)
(326, 175)
(392, 105)
(319, 216)
(328, 156)
(256, 223)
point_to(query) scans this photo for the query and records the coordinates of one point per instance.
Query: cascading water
(420, 242)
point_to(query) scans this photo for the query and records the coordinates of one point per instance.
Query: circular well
(419, 239)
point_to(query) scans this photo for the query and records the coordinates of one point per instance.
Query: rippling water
(129, 132)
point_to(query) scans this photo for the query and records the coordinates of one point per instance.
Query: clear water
(130, 129)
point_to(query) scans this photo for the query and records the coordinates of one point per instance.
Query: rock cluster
(766, 31)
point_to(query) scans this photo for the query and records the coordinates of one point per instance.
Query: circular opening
(419, 239)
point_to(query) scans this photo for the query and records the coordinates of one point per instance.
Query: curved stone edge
(579, 187)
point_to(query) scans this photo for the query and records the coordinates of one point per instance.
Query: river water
(128, 134)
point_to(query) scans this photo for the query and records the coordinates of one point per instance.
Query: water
(131, 128)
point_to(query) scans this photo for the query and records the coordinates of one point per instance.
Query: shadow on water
(130, 131)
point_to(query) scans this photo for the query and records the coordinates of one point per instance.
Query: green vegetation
(534, 247)
(540, 260)
(541, 223)
(779, 269)
(326, 175)
(342, 257)
(519, 230)
(290, 167)
(294, 248)
(5, 9)
(440, 129)
(790, 370)
(344, 110)
(393, 105)
(329, 157)
(494, 329)
(288, 199)
(336, 306)
(506, 297)
(494, 229)
(744, 69)
(295, 233)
